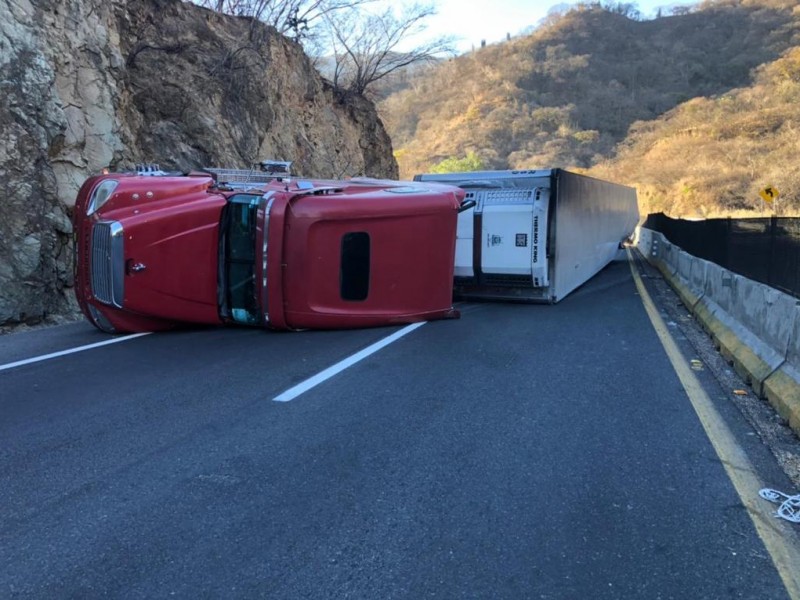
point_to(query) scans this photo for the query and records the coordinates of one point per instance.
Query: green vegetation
(699, 110)
(471, 162)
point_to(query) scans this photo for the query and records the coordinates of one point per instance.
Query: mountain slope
(711, 156)
(567, 94)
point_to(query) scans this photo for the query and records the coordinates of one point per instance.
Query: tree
(626, 9)
(299, 19)
(471, 162)
(366, 46)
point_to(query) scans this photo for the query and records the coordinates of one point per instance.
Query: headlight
(100, 195)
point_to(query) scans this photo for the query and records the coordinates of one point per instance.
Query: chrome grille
(107, 263)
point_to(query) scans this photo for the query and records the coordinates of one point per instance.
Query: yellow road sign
(769, 194)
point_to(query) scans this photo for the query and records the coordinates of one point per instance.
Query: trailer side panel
(591, 218)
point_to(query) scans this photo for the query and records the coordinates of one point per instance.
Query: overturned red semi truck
(154, 250)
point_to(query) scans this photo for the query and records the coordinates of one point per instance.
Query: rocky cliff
(88, 84)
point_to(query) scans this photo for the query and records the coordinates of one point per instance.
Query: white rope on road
(789, 508)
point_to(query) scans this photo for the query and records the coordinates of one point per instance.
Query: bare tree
(366, 46)
(626, 9)
(296, 18)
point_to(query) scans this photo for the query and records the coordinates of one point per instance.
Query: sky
(491, 20)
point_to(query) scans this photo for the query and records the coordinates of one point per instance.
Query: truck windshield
(238, 294)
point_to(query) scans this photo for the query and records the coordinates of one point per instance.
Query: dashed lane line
(52, 355)
(322, 376)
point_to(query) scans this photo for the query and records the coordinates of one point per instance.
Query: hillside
(711, 156)
(568, 94)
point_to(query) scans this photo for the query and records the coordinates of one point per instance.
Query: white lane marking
(314, 381)
(36, 359)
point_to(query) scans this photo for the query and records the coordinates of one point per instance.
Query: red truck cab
(226, 246)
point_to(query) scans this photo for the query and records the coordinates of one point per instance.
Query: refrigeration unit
(536, 235)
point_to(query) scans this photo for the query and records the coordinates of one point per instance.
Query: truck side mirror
(466, 205)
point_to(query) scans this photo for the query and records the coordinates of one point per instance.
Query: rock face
(88, 84)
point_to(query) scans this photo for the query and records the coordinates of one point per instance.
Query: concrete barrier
(755, 327)
(720, 286)
(684, 271)
(741, 328)
(689, 294)
(782, 388)
(669, 255)
(643, 240)
(697, 277)
(655, 247)
(713, 310)
(765, 310)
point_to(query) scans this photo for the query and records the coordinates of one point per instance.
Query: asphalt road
(522, 451)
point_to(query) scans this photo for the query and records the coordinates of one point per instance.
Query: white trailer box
(536, 235)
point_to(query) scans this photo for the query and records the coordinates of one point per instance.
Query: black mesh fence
(766, 250)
